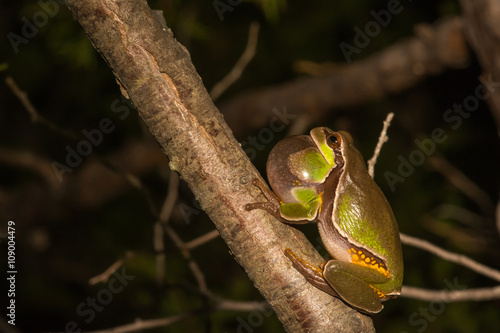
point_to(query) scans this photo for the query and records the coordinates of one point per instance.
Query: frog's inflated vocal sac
(321, 177)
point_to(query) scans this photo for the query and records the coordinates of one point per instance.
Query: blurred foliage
(69, 84)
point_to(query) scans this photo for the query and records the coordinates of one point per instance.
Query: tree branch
(383, 138)
(450, 256)
(156, 73)
(433, 49)
(481, 30)
(240, 66)
(477, 294)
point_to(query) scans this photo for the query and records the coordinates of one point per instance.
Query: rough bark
(156, 73)
(482, 30)
(433, 49)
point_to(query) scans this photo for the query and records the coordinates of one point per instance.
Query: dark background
(58, 249)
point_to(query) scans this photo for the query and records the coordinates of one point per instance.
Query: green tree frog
(322, 177)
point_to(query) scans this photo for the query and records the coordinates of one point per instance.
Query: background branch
(482, 33)
(478, 294)
(405, 64)
(239, 67)
(450, 256)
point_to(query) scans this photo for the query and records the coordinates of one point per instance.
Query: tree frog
(322, 177)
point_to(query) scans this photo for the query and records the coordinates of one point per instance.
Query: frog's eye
(334, 141)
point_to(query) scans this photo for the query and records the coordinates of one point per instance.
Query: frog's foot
(272, 205)
(339, 282)
(275, 207)
(312, 274)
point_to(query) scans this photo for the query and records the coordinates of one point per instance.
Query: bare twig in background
(460, 214)
(35, 116)
(192, 264)
(164, 217)
(171, 198)
(202, 239)
(390, 71)
(162, 226)
(445, 295)
(300, 125)
(230, 305)
(497, 216)
(220, 304)
(159, 246)
(87, 187)
(450, 256)
(104, 276)
(32, 162)
(454, 234)
(240, 65)
(464, 184)
(141, 325)
(132, 180)
(381, 140)
(480, 19)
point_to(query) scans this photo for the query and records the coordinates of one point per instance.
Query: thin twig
(133, 180)
(202, 239)
(197, 272)
(479, 294)
(166, 211)
(457, 235)
(159, 246)
(104, 276)
(464, 184)
(240, 65)
(450, 256)
(230, 305)
(141, 325)
(381, 140)
(300, 125)
(171, 198)
(221, 304)
(35, 116)
(164, 217)
(460, 214)
(32, 162)
(498, 216)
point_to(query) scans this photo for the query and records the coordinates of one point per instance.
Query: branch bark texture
(156, 74)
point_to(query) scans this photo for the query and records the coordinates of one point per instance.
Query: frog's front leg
(350, 282)
(301, 212)
(272, 205)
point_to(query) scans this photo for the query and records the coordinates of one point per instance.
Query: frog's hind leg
(344, 277)
(311, 273)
